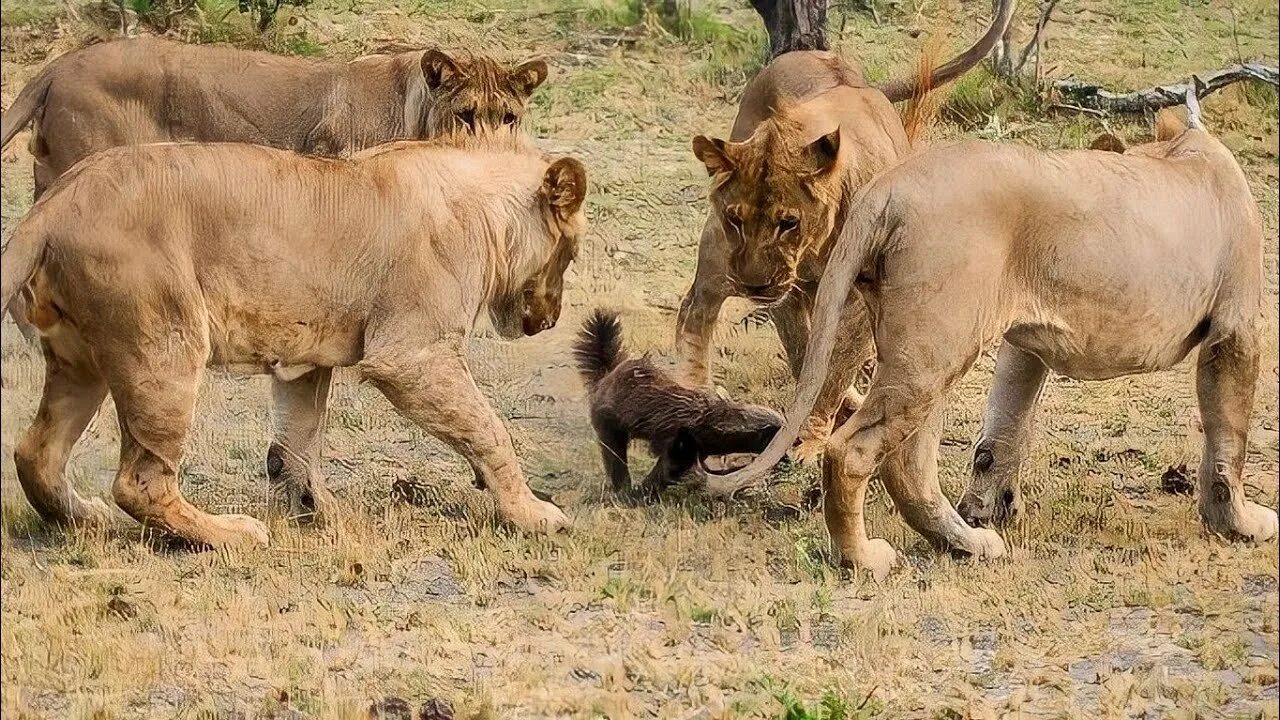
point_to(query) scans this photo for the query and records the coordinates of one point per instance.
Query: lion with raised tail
(810, 131)
(271, 262)
(1090, 263)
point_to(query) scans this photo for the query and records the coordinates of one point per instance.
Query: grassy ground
(1112, 604)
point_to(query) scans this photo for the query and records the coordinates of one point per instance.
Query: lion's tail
(922, 107)
(29, 102)
(598, 349)
(864, 236)
(22, 255)
(905, 88)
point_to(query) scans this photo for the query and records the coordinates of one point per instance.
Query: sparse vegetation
(1113, 603)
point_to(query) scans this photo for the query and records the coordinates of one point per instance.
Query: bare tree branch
(1002, 51)
(1033, 45)
(1094, 97)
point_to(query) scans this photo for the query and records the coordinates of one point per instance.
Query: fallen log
(1095, 97)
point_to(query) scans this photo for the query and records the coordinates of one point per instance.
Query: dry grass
(1113, 604)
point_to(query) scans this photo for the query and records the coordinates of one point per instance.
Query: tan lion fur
(809, 132)
(1090, 263)
(144, 90)
(144, 264)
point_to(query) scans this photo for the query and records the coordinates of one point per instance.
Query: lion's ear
(1168, 125)
(713, 153)
(565, 186)
(528, 76)
(439, 69)
(824, 151)
(1107, 141)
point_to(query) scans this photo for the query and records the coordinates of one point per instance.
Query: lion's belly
(1090, 352)
(1092, 310)
(286, 345)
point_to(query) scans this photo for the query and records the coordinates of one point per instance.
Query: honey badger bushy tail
(598, 348)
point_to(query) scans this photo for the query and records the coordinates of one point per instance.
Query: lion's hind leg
(852, 454)
(925, 342)
(73, 391)
(1226, 375)
(994, 492)
(155, 398)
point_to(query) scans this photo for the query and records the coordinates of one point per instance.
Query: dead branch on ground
(1095, 97)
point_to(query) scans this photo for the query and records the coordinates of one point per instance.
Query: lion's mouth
(766, 294)
(532, 326)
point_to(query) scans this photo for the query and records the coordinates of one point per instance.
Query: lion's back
(791, 79)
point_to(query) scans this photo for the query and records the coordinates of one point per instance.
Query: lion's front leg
(853, 348)
(434, 388)
(700, 309)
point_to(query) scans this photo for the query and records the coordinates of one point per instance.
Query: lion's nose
(1009, 506)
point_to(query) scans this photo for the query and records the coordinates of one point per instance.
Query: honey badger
(635, 399)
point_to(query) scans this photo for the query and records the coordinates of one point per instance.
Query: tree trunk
(794, 24)
(668, 11)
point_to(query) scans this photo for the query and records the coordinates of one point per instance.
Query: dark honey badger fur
(636, 400)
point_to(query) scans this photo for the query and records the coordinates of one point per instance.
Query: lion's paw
(1253, 523)
(239, 531)
(537, 516)
(1264, 522)
(1258, 523)
(812, 442)
(875, 556)
(809, 449)
(93, 513)
(986, 544)
(878, 558)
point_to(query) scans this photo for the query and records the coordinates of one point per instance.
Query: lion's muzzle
(1000, 509)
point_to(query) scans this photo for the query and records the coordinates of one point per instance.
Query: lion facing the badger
(382, 262)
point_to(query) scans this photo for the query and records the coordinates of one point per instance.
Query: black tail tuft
(598, 349)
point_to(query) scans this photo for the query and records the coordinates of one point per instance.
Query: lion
(144, 90)
(635, 399)
(1089, 263)
(809, 132)
(264, 261)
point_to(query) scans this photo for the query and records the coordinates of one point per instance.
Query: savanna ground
(1112, 604)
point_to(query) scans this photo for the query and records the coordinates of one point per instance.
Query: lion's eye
(509, 119)
(787, 223)
(468, 118)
